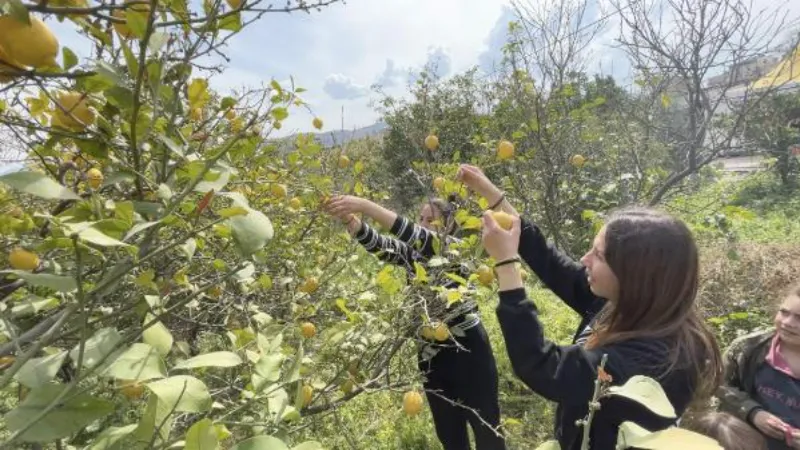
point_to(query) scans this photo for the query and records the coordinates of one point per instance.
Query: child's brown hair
(730, 432)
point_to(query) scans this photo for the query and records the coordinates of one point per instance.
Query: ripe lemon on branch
(28, 45)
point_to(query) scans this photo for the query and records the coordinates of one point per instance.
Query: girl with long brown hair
(635, 291)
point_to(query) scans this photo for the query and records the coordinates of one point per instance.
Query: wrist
(508, 277)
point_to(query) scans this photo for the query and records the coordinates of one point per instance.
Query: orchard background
(170, 281)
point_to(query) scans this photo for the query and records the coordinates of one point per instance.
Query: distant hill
(333, 138)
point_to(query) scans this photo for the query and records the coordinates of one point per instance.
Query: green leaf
(197, 93)
(231, 22)
(108, 439)
(213, 359)
(157, 41)
(251, 232)
(172, 146)
(549, 445)
(86, 232)
(156, 414)
(183, 393)
(267, 370)
(189, 247)
(140, 362)
(109, 73)
(261, 443)
(137, 22)
(102, 343)
(130, 59)
(233, 212)
(54, 282)
(308, 445)
(138, 228)
(70, 59)
(157, 336)
(40, 371)
(202, 436)
(647, 392)
(18, 11)
(631, 435)
(38, 184)
(279, 113)
(215, 179)
(227, 103)
(32, 304)
(70, 415)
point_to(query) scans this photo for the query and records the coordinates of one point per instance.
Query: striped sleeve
(387, 248)
(417, 237)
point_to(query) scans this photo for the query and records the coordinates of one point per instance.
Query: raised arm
(560, 273)
(385, 248)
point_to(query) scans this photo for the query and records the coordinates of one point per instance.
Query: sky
(339, 53)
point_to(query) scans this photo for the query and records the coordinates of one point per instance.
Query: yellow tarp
(787, 71)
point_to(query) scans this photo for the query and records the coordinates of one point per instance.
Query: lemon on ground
(412, 403)
(29, 45)
(438, 183)
(21, 259)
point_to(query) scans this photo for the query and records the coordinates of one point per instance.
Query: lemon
(438, 183)
(432, 142)
(308, 330)
(278, 190)
(344, 161)
(505, 150)
(441, 332)
(310, 285)
(485, 275)
(142, 9)
(7, 63)
(72, 112)
(94, 177)
(308, 394)
(234, 4)
(317, 122)
(577, 161)
(21, 259)
(132, 389)
(295, 203)
(412, 403)
(503, 219)
(29, 45)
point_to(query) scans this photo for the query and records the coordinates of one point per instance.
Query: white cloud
(341, 87)
(390, 76)
(439, 62)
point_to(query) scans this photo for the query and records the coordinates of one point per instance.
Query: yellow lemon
(505, 150)
(94, 177)
(308, 330)
(131, 389)
(577, 161)
(295, 203)
(310, 285)
(503, 219)
(278, 190)
(438, 183)
(21, 259)
(6, 65)
(308, 394)
(29, 45)
(412, 403)
(72, 112)
(441, 332)
(485, 275)
(344, 162)
(317, 122)
(432, 142)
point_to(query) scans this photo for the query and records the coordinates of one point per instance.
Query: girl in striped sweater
(460, 373)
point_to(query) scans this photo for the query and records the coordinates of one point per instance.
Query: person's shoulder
(751, 340)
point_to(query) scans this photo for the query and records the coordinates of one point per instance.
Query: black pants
(468, 377)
